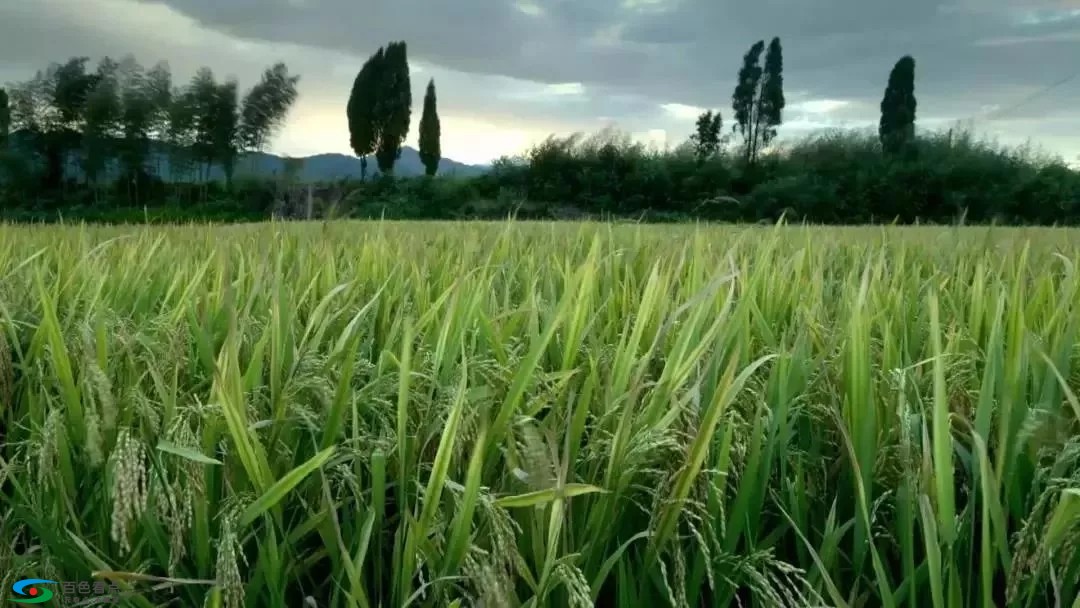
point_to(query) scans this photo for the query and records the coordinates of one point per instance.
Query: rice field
(522, 414)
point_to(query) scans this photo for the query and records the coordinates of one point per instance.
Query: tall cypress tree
(393, 106)
(742, 100)
(897, 127)
(363, 134)
(430, 150)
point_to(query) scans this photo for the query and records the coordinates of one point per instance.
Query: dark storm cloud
(689, 50)
(618, 60)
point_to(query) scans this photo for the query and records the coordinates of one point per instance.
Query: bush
(837, 177)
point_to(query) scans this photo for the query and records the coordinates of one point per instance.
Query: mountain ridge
(328, 166)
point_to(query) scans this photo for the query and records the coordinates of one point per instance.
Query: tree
(158, 90)
(897, 127)
(706, 138)
(225, 128)
(5, 117)
(9, 163)
(181, 135)
(202, 103)
(770, 99)
(70, 87)
(361, 110)
(430, 151)
(743, 99)
(393, 106)
(101, 117)
(758, 100)
(49, 108)
(265, 106)
(138, 115)
(31, 115)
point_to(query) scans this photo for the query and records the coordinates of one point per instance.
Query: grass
(513, 414)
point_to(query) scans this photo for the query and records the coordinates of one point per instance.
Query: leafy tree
(430, 151)
(202, 102)
(10, 165)
(706, 138)
(101, 116)
(225, 130)
(137, 125)
(182, 134)
(5, 117)
(265, 106)
(758, 100)
(770, 99)
(30, 114)
(29, 105)
(897, 127)
(743, 99)
(71, 85)
(159, 90)
(49, 109)
(361, 110)
(393, 106)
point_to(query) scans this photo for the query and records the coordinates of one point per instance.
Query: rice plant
(354, 414)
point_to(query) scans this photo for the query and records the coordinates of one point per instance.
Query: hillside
(322, 167)
(317, 168)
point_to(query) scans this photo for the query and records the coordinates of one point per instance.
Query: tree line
(118, 121)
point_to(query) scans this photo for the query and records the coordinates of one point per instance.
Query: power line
(997, 112)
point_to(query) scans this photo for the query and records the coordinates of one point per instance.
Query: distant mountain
(324, 167)
(317, 168)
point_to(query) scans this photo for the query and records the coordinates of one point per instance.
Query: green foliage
(8, 159)
(225, 133)
(380, 107)
(265, 107)
(706, 137)
(897, 126)
(430, 131)
(770, 100)
(758, 100)
(743, 100)
(833, 177)
(119, 121)
(5, 117)
(393, 106)
(102, 114)
(948, 177)
(69, 86)
(143, 102)
(360, 111)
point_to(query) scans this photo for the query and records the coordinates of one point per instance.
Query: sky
(509, 73)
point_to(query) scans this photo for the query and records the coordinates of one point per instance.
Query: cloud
(530, 8)
(820, 106)
(682, 111)
(564, 89)
(1037, 39)
(567, 65)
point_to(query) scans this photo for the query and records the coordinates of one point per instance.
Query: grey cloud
(633, 56)
(689, 49)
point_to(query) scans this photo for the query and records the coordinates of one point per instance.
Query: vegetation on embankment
(833, 178)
